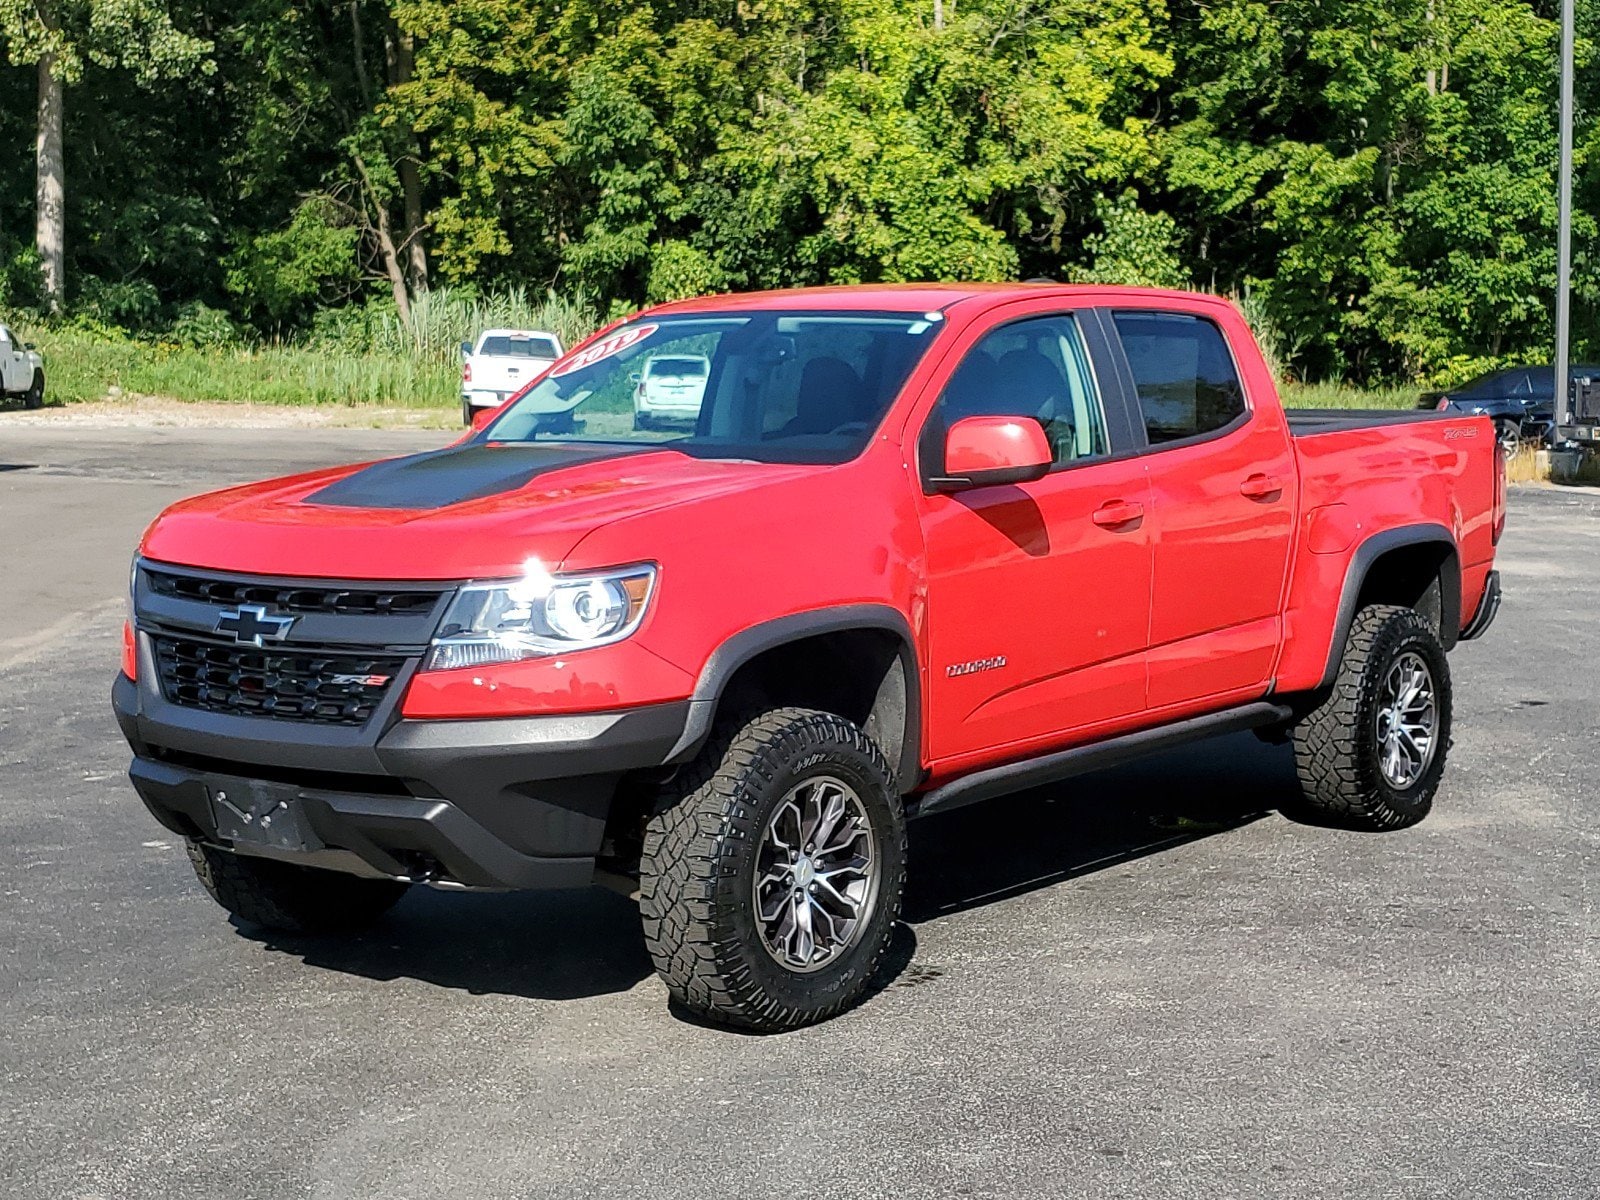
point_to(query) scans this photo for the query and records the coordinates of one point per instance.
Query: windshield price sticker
(614, 343)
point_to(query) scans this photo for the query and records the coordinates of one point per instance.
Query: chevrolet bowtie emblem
(251, 626)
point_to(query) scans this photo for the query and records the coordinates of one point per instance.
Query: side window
(1034, 368)
(1185, 377)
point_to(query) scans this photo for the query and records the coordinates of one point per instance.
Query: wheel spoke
(832, 812)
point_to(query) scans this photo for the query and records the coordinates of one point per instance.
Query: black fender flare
(746, 645)
(1355, 578)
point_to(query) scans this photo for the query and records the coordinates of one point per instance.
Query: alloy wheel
(816, 876)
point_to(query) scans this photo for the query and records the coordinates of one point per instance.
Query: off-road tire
(293, 899)
(700, 852)
(34, 396)
(1336, 746)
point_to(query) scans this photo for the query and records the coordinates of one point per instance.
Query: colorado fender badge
(976, 665)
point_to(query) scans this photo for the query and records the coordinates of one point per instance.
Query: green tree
(59, 37)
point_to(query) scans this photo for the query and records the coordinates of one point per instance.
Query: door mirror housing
(466, 349)
(991, 451)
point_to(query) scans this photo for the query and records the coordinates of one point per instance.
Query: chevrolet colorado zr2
(920, 546)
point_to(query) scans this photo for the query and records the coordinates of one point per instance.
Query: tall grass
(83, 366)
(355, 355)
(444, 318)
(366, 355)
(1344, 395)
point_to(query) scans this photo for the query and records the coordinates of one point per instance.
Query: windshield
(799, 387)
(518, 347)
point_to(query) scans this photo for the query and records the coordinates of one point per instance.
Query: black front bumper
(505, 803)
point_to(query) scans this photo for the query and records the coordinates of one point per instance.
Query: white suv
(669, 389)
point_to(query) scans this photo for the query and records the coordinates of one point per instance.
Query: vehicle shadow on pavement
(568, 945)
(537, 945)
(1017, 844)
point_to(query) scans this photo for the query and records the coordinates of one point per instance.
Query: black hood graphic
(440, 478)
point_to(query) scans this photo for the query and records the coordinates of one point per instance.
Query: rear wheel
(772, 872)
(1371, 755)
(34, 396)
(286, 897)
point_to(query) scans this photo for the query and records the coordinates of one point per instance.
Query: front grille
(320, 688)
(294, 600)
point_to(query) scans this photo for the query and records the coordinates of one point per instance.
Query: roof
(904, 297)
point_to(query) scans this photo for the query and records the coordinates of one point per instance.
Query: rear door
(1223, 482)
(1038, 593)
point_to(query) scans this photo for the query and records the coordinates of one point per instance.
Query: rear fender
(1359, 571)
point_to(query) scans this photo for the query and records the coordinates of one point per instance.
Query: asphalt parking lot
(1144, 983)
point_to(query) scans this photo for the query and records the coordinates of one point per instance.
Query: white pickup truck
(501, 364)
(21, 370)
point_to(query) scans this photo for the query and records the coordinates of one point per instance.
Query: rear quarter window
(1183, 372)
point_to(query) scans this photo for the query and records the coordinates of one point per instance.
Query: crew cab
(920, 546)
(502, 363)
(21, 370)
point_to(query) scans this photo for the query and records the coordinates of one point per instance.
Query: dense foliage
(1375, 178)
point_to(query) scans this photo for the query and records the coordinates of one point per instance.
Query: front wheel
(1371, 755)
(34, 396)
(294, 899)
(773, 870)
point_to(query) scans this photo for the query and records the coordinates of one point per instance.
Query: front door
(1038, 593)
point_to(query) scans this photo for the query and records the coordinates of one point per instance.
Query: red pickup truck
(921, 546)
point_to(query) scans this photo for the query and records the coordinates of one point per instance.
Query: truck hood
(477, 510)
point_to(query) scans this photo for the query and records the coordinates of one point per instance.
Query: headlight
(539, 615)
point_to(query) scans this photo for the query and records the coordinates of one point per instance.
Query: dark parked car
(1520, 399)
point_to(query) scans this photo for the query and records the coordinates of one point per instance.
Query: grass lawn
(82, 366)
(1342, 395)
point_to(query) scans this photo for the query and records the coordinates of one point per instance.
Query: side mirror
(466, 349)
(29, 346)
(635, 377)
(989, 451)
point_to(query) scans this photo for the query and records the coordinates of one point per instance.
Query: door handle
(1261, 487)
(1117, 512)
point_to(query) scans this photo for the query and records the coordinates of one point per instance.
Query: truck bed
(1303, 422)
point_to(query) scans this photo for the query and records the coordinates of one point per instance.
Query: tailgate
(505, 374)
